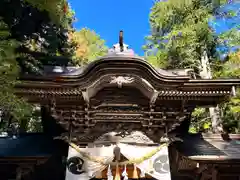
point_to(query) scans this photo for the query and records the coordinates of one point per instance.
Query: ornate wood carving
(185, 163)
(148, 118)
(120, 80)
(84, 135)
(118, 90)
(210, 172)
(23, 170)
(111, 108)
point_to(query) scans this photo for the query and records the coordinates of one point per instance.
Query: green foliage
(89, 46)
(58, 10)
(230, 38)
(34, 123)
(158, 60)
(32, 34)
(231, 114)
(231, 109)
(181, 33)
(229, 68)
(8, 75)
(200, 121)
(39, 37)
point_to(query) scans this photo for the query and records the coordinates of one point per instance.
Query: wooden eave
(24, 160)
(124, 66)
(213, 158)
(209, 147)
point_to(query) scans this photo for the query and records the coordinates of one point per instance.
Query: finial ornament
(120, 48)
(121, 41)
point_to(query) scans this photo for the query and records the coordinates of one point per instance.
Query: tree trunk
(216, 119)
(213, 111)
(23, 125)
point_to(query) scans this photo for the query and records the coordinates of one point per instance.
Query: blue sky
(108, 17)
(222, 24)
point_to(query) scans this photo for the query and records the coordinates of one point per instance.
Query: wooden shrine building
(122, 93)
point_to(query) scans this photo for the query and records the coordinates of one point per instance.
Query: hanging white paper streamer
(142, 175)
(124, 174)
(109, 173)
(157, 166)
(160, 165)
(90, 167)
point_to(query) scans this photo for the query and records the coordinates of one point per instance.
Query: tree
(231, 110)
(59, 11)
(39, 36)
(182, 38)
(44, 35)
(9, 70)
(31, 35)
(181, 35)
(89, 46)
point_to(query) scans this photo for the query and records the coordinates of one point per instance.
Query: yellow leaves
(158, 60)
(88, 45)
(206, 125)
(198, 112)
(235, 103)
(81, 51)
(192, 130)
(81, 44)
(58, 53)
(232, 66)
(235, 57)
(235, 109)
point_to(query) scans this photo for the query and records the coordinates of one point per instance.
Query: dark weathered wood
(121, 94)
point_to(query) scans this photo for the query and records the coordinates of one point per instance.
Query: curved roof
(123, 65)
(121, 60)
(210, 146)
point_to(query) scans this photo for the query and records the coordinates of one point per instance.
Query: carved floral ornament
(120, 80)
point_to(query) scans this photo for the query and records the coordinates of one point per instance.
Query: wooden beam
(214, 173)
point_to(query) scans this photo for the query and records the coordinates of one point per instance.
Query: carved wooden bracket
(85, 135)
(23, 170)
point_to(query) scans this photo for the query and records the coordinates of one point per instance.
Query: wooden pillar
(19, 173)
(184, 126)
(210, 173)
(203, 176)
(214, 173)
(174, 159)
(50, 126)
